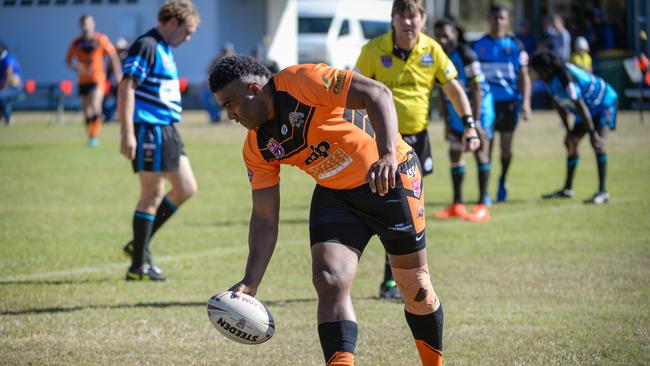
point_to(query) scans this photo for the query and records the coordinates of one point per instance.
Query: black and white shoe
(144, 273)
(128, 251)
(563, 193)
(598, 198)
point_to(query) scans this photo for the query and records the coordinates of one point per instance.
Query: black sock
(164, 212)
(388, 273)
(483, 179)
(142, 227)
(505, 164)
(339, 336)
(571, 165)
(427, 328)
(602, 171)
(457, 175)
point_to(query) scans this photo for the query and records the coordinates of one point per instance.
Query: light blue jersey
(594, 91)
(151, 64)
(501, 60)
(466, 62)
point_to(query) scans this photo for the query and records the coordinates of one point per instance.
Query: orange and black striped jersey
(309, 131)
(90, 56)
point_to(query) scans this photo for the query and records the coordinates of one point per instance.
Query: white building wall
(39, 35)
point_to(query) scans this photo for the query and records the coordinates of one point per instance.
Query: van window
(314, 24)
(345, 28)
(374, 28)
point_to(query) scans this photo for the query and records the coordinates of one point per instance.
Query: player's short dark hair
(546, 60)
(235, 67)
(444, 22)
(83, 17)
(497, 8)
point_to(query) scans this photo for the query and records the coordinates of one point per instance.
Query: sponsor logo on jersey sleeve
(250, 174)
(276, 148)
(340, 79)
(326, 82)
(284, 130)
(450, 70)
(386, 61)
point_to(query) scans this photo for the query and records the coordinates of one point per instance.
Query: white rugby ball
(240, 317)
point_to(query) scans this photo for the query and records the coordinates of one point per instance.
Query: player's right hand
(128, 146)
(381, 175)
(243, 288)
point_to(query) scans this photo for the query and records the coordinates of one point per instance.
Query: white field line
(114, 266)
(122, 265)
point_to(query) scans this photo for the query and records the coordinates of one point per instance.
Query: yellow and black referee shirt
(411, 81)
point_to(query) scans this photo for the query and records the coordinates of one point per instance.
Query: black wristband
(468, 121)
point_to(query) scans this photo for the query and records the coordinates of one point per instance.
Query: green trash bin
(609, 65)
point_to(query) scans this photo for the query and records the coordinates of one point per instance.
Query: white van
(334, 31)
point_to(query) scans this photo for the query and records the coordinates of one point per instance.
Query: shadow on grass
(160, 305)
(244, 222)
(157, 304)
(56, 282)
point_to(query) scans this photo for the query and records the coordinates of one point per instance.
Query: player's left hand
(471, 141)
(381, 175)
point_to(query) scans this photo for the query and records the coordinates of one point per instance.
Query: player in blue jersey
(504, 61)
(149, 104)
(11, 83)
(471, 78)
(593, 103)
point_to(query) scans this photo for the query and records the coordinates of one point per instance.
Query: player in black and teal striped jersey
(149, 103)
(478, 92)
(593, 103)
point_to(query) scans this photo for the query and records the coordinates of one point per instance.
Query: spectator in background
(209, 104)
(110, 100)
(11, 82)
(526, 36)
(89, 50)
(599, 33)
(559, 41)
(258, 53)
(581, 57)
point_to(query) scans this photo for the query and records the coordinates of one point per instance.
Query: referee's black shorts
(353, 216)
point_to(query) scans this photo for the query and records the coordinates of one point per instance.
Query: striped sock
(457, 175)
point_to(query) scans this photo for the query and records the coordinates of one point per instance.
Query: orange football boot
(480, 213)
(453, 210)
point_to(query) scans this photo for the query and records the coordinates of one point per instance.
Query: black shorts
(420, 144)
(87, 88)
(353, 216)
(507, 116)
(159, 148)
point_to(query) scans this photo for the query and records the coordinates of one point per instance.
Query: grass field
(544, 283)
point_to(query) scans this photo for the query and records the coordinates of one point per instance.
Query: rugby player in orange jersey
(365, 186)
(86, 56)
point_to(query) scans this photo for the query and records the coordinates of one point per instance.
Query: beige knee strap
(417, 290)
